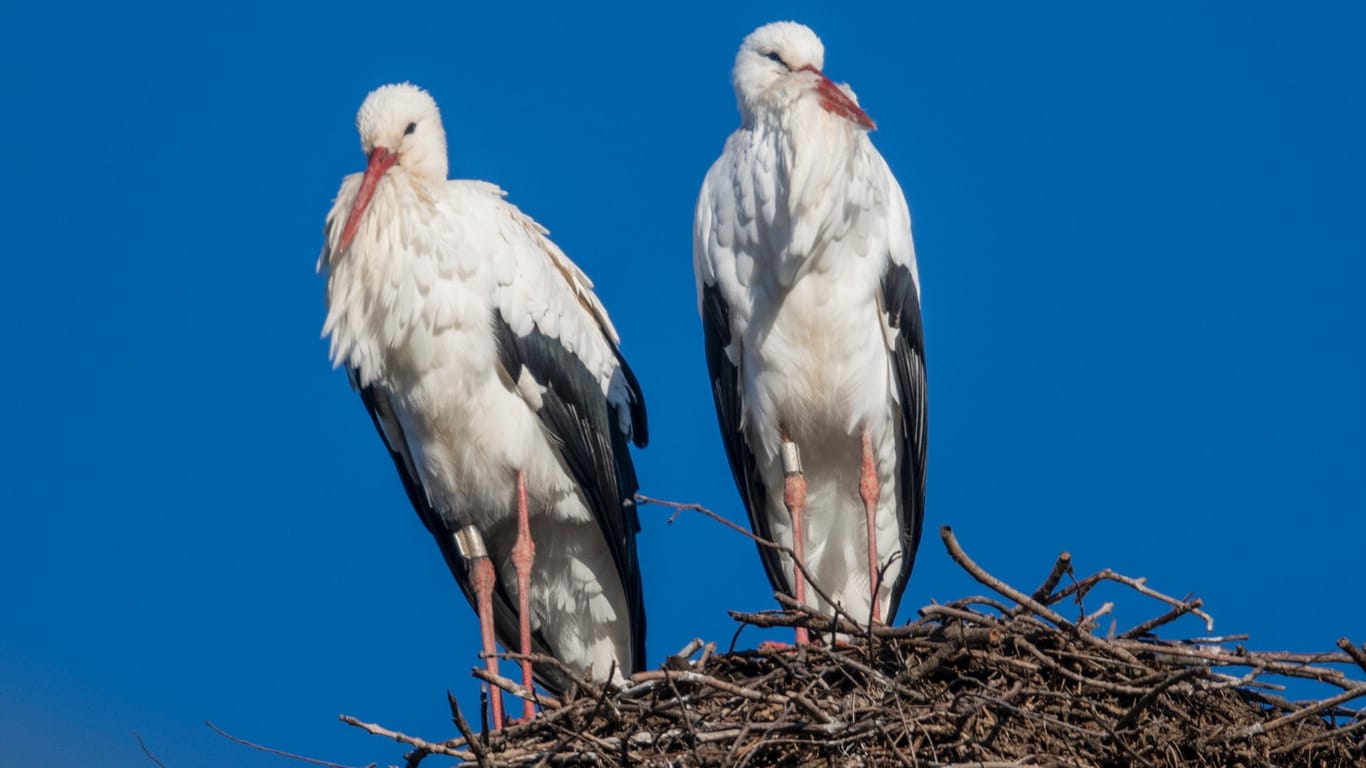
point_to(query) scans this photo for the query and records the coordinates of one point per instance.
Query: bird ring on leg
(470, 543)
(792, 458)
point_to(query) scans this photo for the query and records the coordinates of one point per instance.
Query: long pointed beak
(381, 160)
(837, 102)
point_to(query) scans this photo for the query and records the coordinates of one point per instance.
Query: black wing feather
(901, 302)
(586, 424)
(725, 390)
(505, 622)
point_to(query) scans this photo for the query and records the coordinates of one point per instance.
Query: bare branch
(1061, 566)
(1355, 651)
(801, 566)
(147, 751)
(270, 750)
(413, 741)
(480, 754)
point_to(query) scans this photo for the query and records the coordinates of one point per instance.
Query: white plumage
(482, 352)
(809, 294)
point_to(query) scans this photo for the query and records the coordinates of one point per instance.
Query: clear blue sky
(1140, 239)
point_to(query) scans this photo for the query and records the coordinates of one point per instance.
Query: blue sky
(1140, 240)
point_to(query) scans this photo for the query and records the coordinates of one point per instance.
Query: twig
(977, 572)
(1104, 685)
(570, 735)
(1140, 585)
(1148, 698)
(1060, 566)
(513, 688)
(693, 646)
(872, 606)
(147, 751)
(270, 750)
(1166, 618)
(480, 754)
(1355, 651)
(892, 747)
(707, 651)
(402, 738)
(1220, 656)
(1299, 714)
(834, 624)
(974, 600)
(801, 566)
(872, 674)
(995, 584)
(687, 716)
(542, 659)
(1336, 733)
(1091, 618)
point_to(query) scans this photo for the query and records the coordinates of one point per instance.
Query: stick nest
(985, 681)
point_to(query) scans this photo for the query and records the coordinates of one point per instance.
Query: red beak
(381, 160)
(837, 102)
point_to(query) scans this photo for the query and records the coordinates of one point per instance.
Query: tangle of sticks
(992, 680)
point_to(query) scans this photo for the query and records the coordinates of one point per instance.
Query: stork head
(780, 63)
(399, 126)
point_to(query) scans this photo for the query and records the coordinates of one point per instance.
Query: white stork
(493, 375)
(810, 303)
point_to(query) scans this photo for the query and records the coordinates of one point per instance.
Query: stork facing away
(493, 375)
(810, 302)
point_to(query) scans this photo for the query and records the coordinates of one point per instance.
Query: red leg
(794, 498)
(868, 489)
(482, 577)
(523, 552)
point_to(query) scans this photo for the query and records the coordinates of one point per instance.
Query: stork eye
(773, 56)
(411, 127)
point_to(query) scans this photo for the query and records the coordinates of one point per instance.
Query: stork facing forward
(810, 303)
(494, 378)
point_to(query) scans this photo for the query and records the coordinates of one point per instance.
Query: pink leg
(523, 552)
(794, 497)
(868, 489)
(482, 578)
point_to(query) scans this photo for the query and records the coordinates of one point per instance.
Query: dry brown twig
(786, 550)
(273, 751)
(432, 748)
(458, 718)
(147, 751)
(1355, 651)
